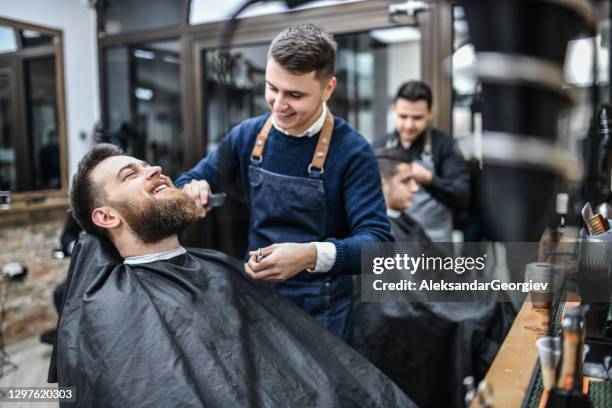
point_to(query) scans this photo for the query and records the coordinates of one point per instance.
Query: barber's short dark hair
(303, 48)
(389, 159)
(414, 91)
(85, 195)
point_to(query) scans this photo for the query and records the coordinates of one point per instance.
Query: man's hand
(198, 190)
(421, 174)
(281, 261)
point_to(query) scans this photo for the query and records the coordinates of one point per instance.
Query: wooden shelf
(49, 203)
(22, 213)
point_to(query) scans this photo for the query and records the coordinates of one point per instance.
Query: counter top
(511, 371)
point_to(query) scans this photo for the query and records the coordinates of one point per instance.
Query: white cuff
(326, 257)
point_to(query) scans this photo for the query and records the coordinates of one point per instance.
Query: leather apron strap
(319, 156)
(260, 142)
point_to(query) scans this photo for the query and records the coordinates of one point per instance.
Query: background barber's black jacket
(451, 182)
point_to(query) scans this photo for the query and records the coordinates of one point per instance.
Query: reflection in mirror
(31, 141)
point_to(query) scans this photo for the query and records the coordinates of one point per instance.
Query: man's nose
(279, 103)
(153, 171)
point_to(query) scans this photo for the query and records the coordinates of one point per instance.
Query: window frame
(436, 41)
(21, 57)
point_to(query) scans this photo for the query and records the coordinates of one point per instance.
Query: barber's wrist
(310, 255)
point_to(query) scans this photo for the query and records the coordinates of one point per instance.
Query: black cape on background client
(192, 331)
(428, 348)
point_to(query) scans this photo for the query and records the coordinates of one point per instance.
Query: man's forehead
(110, 167)
(405, 105)
(404, 170)
(281, 78)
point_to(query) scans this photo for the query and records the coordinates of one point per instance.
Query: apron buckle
(313, 171)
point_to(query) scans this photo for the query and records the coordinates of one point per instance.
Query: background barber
(312, 184)
(438, 165)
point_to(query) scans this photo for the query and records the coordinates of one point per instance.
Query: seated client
(427, 348)
(147, 323)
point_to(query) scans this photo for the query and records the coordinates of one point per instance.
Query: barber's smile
(284, 116)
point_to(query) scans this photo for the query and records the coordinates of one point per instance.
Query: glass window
(245, 89)
(8, 43)
(143, 102)
(205, 11)
(29, 140)
(34, 38)
(42, 103)
(7, 152)
(466, 89)
(122, 16)
(573, 122)
(370, 66)
(578, 69)
(118, 100)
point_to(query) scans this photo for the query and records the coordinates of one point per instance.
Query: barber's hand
(281, 261)
(198, 190)
(421, 174)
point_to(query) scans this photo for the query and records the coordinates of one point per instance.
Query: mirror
(32, 115)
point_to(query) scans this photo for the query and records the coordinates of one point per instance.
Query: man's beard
(158, 218)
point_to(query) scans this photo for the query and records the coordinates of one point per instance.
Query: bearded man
(147, 323)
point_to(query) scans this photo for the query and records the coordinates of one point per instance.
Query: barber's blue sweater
(356, 212)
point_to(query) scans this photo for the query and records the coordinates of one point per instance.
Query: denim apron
(435, 217)
(293, 209)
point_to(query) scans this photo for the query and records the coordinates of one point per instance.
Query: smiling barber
(312, 181)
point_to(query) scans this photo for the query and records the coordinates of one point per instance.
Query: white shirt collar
(393, 213)
(158, 256)
(312, 130)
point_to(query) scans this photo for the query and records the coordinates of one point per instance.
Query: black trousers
(58, 295)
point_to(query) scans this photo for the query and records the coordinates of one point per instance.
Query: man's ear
(385, 185)
(105, 217)
(329, 88)
(429, 114)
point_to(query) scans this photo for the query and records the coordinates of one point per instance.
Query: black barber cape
(405, 229)
(195, 331)
(428, 348)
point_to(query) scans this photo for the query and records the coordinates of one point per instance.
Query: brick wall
(29, 238)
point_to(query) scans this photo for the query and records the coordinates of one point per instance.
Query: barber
(312, 185)
(438, 165)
